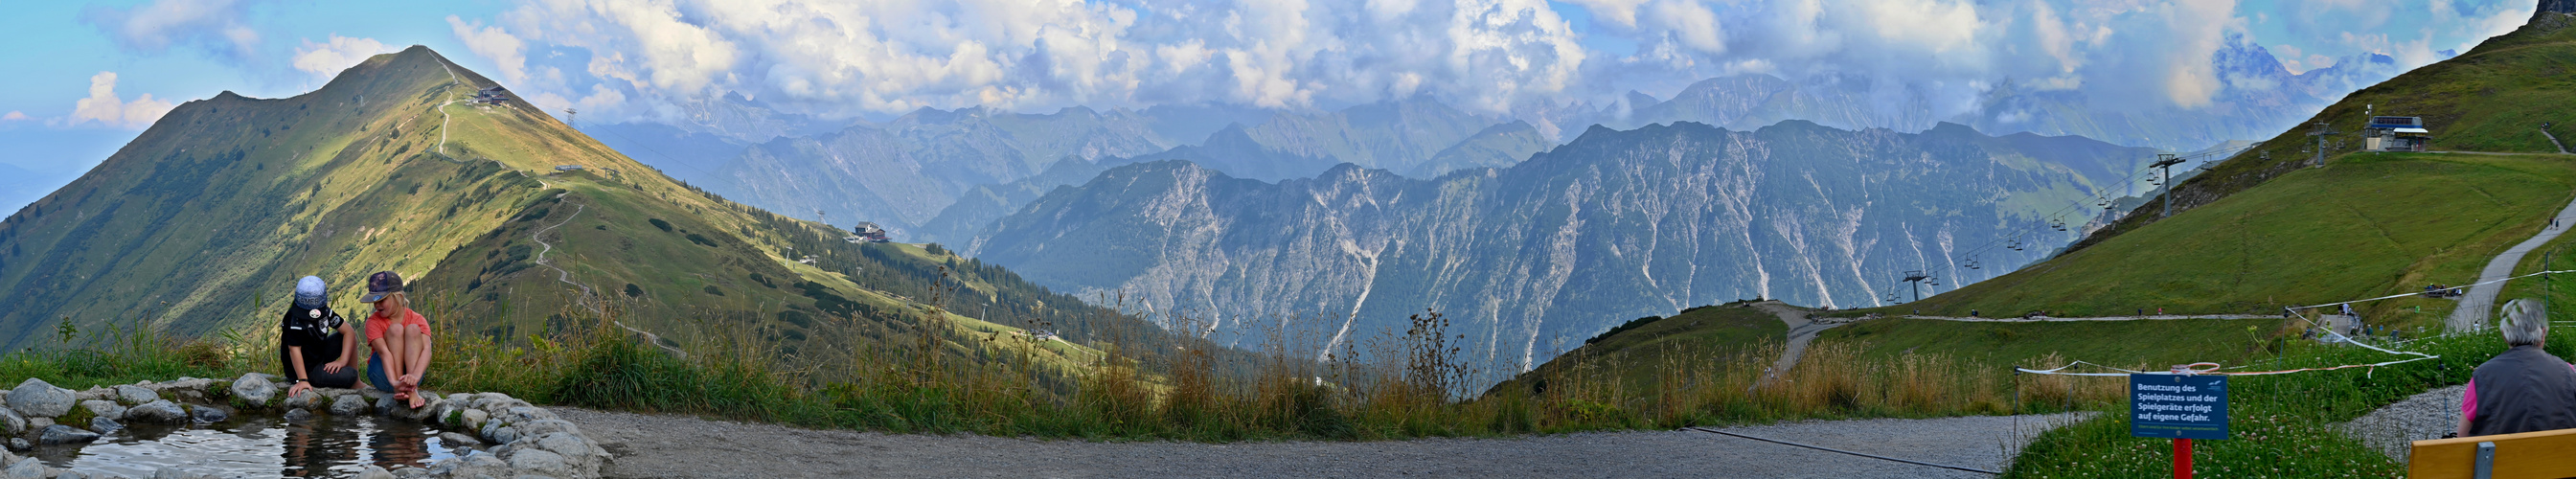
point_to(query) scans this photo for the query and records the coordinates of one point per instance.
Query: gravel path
(2480, 301)
(674, 446)
(2395, 428)
(1802, 330)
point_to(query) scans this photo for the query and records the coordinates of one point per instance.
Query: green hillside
(201, 225)
(1637, 355)
(2368, 225)
(2493, 98)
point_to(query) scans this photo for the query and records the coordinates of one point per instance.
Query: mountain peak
(2553, 6)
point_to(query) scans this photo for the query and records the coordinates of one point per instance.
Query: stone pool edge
(526, 440)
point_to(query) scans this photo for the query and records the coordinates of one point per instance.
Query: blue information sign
(2178, 406)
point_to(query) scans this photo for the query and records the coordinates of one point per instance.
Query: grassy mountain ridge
(201, 224)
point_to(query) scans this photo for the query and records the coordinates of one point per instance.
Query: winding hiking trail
(588, 295)
(652, 446)
(1802, 330)
(2475, 306)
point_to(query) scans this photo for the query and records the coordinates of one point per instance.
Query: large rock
(540, 462)
(20, 444)
(157, 412)
(104, 408)
(303, 400)
(458, 439)
(103, 425)
(497, 434)
(297, 415)
(27, 470)
(136, 395)
(36, 398)
(584, 456)
(472, 419)
(522, 414)
(473, 465)
(208, 413)
(61, 434)
(546, 426)
(374, 472)
(12, 423)
(254, 389)
(349, 405)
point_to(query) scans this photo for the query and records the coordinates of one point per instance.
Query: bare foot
(417, 401)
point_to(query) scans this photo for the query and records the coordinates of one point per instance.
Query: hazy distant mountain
(2258, 97)
(1615, 225)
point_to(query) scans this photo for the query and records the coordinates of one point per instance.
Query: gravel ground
(674, 446)
(2395, 428)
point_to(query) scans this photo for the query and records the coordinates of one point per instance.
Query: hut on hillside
(2396, 134)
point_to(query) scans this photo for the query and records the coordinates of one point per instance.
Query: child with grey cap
(317, 347)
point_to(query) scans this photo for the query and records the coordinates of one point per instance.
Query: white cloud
(494, 44)
(842, 59)
(217, 25)
(105, 108)
(15, 115)
(328, 59)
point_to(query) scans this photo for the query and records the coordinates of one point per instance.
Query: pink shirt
(2469, 399)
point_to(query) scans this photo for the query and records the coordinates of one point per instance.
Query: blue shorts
(376, 373)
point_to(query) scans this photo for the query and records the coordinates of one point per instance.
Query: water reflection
(254, 447)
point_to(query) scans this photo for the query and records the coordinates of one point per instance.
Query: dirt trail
(588, 295)
(674, 446)
(1802, 330)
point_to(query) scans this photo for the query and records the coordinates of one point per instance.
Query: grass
(2283, 425)
(2368, 225)
(2163, 342)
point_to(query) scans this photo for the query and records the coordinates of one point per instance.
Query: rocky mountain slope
(1615, 225)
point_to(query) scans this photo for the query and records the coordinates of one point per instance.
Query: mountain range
(1614, 225)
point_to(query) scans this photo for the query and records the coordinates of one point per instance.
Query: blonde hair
(402, 302)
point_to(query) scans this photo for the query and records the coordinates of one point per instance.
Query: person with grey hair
(2524, 389)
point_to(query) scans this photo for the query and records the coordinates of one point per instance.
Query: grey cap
(309, 293)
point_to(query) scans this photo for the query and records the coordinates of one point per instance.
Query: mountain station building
(2395, 133)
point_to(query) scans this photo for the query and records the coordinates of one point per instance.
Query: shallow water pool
(256, 447)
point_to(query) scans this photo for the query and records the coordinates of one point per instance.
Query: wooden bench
(2539, 455)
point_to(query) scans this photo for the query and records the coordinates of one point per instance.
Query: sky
(89, 76)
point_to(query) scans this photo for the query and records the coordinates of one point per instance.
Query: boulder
(539, 461)
(94, 394)
(453, 439)
(386, 405)
(521, 414)
(28, 470)
(104, 408)
(472, 418)
(36, 398)
(546, 426)
(157, 412)
(298, 415)
(373, 472)
(583, 456)
(20, 444)
(254, 389)
(136, 395)
(103, 425)
(349, 405)
(473, 465)
(208, 413)
(35, 423)
(61, 434)
(501, 435)
(12, 423)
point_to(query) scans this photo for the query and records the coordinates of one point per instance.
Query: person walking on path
(2523, 389)
(315, 344)
(400, 338)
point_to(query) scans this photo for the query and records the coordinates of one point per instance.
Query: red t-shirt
(377, 321)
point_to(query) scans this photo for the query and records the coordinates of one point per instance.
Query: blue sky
(636, 59)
